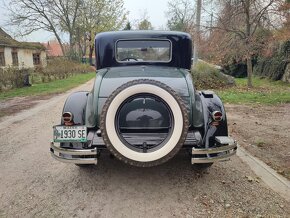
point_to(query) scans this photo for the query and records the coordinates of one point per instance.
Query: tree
(145, 25)
(181, 14)
(128, 26)
(284, 32)
(80, 19)
(241, 20)
(98, 16)
(31, 15)
(54, 16)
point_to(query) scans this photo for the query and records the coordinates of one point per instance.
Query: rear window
(143, 51)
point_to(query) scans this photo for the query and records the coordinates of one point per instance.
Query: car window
(143, 51)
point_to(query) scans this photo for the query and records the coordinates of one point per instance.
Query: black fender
(210, 103)
(76, 104)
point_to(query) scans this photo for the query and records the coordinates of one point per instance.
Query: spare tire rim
(132, 134)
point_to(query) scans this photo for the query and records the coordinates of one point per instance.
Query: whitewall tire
(178, 132)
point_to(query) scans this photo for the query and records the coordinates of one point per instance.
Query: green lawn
(56, 86)
(264, 92)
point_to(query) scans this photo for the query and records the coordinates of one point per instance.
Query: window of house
(36, 59)
(2, 59)
(14, 58)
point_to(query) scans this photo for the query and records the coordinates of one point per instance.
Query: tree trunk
(91, 55)
(249, 71)
(248, 43)
(71, 47)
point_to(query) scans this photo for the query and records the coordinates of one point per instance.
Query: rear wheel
(144, 123)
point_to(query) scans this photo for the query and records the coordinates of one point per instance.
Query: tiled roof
(53, 48)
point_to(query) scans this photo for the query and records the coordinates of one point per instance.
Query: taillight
(217, 116)
(67, 118)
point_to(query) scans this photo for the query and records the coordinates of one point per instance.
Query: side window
(14, 58)
(2, 59)
(36, 59)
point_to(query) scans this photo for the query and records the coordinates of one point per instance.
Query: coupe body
(143, 107)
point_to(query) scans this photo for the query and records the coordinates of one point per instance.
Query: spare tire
(169, 129)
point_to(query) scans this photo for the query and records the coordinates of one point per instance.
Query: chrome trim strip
(75, 160)
(73, 151)
(227, 149)
(213, 150)
(212, 159)
(66, 155)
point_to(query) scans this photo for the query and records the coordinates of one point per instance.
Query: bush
(59, 68)
(206, 76)
(238, 70)
(12, 77)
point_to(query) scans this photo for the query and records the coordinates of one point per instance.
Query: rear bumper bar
(227, 147)
(76, 156)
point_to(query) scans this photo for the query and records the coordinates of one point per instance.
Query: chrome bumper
(227, 147)
(84, 156)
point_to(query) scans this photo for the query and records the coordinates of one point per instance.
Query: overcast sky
(155, 10)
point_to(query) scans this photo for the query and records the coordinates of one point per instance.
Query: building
(53, 49)
(20, 54)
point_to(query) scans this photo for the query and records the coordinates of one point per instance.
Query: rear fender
(76, 104)
(210, 103)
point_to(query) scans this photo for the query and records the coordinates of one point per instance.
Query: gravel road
(32, 184)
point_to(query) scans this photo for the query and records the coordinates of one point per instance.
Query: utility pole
(197, 31)
(211, 22)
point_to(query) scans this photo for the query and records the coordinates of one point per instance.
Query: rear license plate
(69, 133)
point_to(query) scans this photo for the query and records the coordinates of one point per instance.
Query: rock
(249, 178)
(281, 172)
(227, 206)
(223, 182)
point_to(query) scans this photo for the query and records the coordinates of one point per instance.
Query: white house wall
(8, 56)
(25, 57)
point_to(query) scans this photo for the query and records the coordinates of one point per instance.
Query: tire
(172, 144)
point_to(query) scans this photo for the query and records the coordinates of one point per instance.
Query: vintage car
(143, 107)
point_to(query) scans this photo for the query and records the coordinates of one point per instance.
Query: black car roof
(142, 34)
(105, 47)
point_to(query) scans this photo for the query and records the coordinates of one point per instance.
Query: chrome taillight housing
(67, 118)
(217, 116)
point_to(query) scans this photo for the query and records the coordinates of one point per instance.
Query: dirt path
(264, 131)
(32, 184)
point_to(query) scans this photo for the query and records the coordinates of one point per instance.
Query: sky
(155, 10)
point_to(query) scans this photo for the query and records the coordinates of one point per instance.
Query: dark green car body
(108, 80)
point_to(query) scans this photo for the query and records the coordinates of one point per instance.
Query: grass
(53, 87)
(263, 92)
